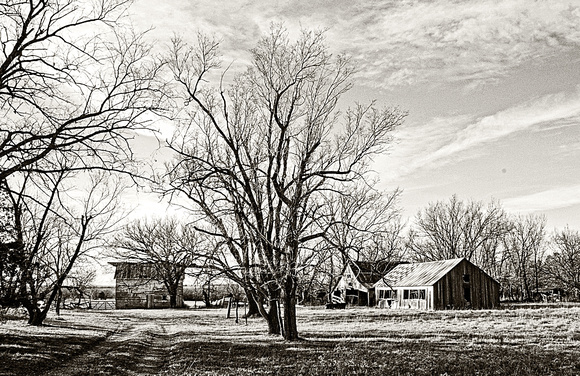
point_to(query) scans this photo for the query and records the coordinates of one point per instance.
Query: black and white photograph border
(289, 187)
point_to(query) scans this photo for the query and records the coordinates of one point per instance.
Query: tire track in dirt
(136, 348)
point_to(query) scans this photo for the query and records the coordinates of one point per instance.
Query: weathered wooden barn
(356, 285)
(138, 285)
(446, 284)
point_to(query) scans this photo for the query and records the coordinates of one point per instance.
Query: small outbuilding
(437, 285)
(356, 285)
(139, 285)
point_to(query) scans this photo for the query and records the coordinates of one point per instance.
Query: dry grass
(541, 341)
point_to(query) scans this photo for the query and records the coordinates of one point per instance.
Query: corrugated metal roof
(418, 274)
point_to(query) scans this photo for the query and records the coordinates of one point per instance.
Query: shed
(436, 285)
(356, 285)
(139, 285)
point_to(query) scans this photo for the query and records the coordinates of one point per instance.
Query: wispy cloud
(556, 198)
(550, 110)
(440, 41)
(452, 139)
(395, 42)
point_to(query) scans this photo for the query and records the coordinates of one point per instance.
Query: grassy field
(538, 341)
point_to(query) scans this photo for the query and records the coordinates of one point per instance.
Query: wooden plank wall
(132, 293)
(449, 291)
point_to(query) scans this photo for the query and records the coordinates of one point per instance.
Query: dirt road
(136, 347)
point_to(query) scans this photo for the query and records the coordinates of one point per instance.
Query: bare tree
(362, 224)
(563, 266)
(74, 83)
(258, 155)
(170, 246)
(525, 254)
(455, 229)
(78, 281)
(54, 227)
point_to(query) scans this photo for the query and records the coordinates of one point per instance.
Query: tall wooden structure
(138, 285)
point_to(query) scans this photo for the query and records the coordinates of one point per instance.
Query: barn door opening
(467, 294)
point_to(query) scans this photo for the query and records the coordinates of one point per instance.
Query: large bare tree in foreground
(362, 224)
(255, 158)
(75, 85)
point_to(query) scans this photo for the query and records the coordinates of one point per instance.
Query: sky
(492, 88)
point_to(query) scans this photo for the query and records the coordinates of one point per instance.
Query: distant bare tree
(563, 266)
(54, 227)
(171, 247)
(525, 255)
(455, 229)
(362, 224)
(77, 282)
(257, 155)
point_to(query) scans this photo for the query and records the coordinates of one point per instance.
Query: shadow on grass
(33, 355)
(346, 357)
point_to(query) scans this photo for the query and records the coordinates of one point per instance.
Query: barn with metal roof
(446, 284)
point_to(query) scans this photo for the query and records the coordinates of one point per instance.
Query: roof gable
(368, 272)
(133, 270)
(418, 274)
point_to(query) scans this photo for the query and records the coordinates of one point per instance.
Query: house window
(164, 297)
(422, 294)
(466, 278)
(387, 294)
(414, 294)
(405, 294)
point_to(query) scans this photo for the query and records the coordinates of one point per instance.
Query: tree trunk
(290, 328)
(36, 316)
(252, 305)
(273, 314)
(273, 318)
(172, 289)
(206, 299)
(58, 302)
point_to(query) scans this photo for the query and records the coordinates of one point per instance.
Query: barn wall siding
(139, 293)
(138, 285)
(449, 291)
